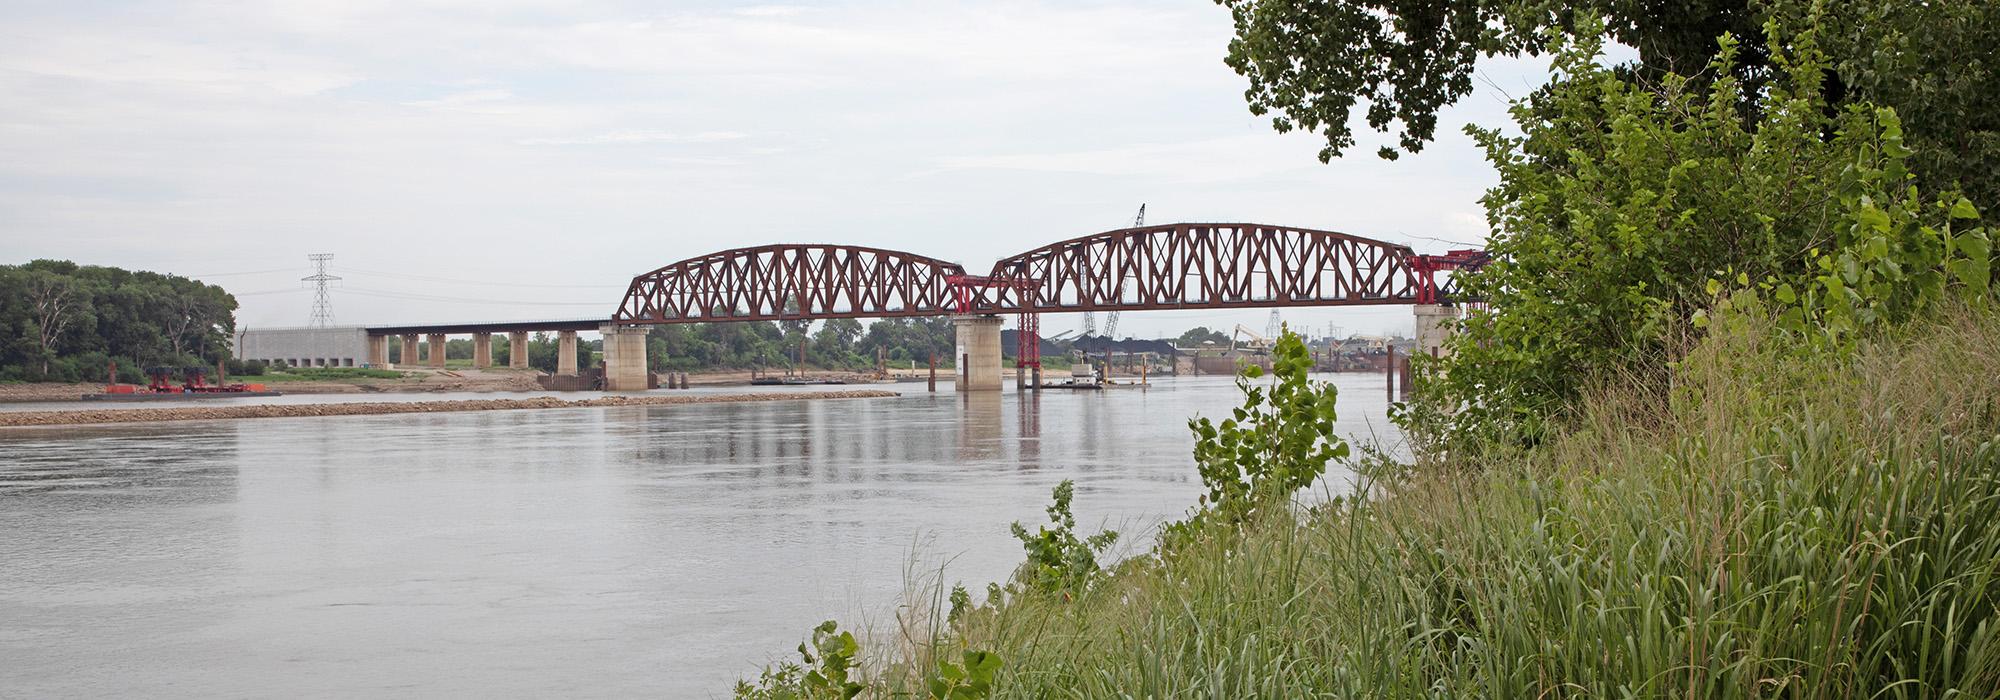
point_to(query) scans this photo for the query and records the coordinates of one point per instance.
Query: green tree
(1312, 63)
(63, 321)
(1201, 334)
(1604, 253)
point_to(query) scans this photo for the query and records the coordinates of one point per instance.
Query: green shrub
(1058, 560)
(1278, 442)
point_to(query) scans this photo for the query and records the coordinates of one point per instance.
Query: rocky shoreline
(149, 415)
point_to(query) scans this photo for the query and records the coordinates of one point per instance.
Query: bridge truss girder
(1177, 266)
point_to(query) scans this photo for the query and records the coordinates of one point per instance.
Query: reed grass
(1763, 525)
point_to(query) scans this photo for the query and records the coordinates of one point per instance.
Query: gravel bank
(148, 415)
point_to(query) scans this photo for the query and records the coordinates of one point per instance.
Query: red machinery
(1426, 268)
(1028, 338)
(161, 384)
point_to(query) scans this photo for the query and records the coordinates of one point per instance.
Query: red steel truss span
(1176, 266)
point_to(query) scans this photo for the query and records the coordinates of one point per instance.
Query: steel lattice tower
(322, 313)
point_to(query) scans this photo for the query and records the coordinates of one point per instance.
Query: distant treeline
(839, 343)
(60, 321)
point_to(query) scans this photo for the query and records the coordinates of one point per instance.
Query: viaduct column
(482, 350)
(378, 351)
(978, 352)
(624, 358)
(437, 350)
(411, 358)
(517, 349)
(1434, 324)
(566, 354)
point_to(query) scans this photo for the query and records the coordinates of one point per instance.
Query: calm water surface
(664, 550)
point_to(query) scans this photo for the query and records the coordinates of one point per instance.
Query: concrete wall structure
(978, 352)
(624, 358)
(1434, 327)
(304, 347)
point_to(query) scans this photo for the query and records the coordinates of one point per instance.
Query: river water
(663, 550)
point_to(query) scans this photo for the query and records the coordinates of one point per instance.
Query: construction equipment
(160, 385)
(1260, 342)
(1111, 319)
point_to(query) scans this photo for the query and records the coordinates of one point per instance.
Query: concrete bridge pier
(517, 349)
(978, 352)
(482, 350)
(566, 354)
(1434, 327)
(624, 358)
(410, 351)
(437, 350)
(378, 351)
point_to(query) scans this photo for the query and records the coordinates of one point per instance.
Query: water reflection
(661, 550)
(979, 426)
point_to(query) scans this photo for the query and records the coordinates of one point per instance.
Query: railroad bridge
(1169, 266)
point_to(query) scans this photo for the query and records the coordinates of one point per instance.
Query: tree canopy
(1313, 63)
(60, 321)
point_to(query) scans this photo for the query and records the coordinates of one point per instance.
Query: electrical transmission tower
(1273, 326)
(1111, 319)
(322, 314)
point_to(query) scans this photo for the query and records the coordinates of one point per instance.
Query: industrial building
(304, 347)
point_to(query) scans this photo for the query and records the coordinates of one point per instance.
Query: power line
(322, 313)
(429, 278)
(465, 300)
(250, 272)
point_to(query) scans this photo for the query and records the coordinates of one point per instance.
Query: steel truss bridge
(1171, 266)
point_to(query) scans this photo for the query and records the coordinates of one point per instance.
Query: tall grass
(1764, 526)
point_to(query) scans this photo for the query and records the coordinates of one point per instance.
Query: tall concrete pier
(517, 349)
(436, 344)
(978, 352)
(566, 354)
(482, 350)
(624, 358)
(412, 352)
(378, 351)
(1434, 327)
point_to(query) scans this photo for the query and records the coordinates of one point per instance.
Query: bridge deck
(496, 327)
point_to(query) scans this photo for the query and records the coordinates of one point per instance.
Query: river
(663, 551)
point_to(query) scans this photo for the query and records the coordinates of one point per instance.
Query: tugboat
(160, 386)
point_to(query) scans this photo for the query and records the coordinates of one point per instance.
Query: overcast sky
(537, 156)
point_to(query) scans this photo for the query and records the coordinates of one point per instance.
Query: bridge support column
(1434, 327)
(437, 350)
(978, 352)
(566, 354)
(482, 350)
(517, 349)
(624, 358)
(378, 351)
(410, 357)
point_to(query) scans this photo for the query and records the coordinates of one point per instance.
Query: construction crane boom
(1262, 341)
(1111, 319)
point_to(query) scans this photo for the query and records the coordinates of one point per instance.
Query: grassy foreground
(1767, 527)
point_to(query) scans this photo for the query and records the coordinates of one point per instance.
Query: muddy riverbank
(179, 413)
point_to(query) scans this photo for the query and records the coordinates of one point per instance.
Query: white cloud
(635, 137)
(582, 142)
